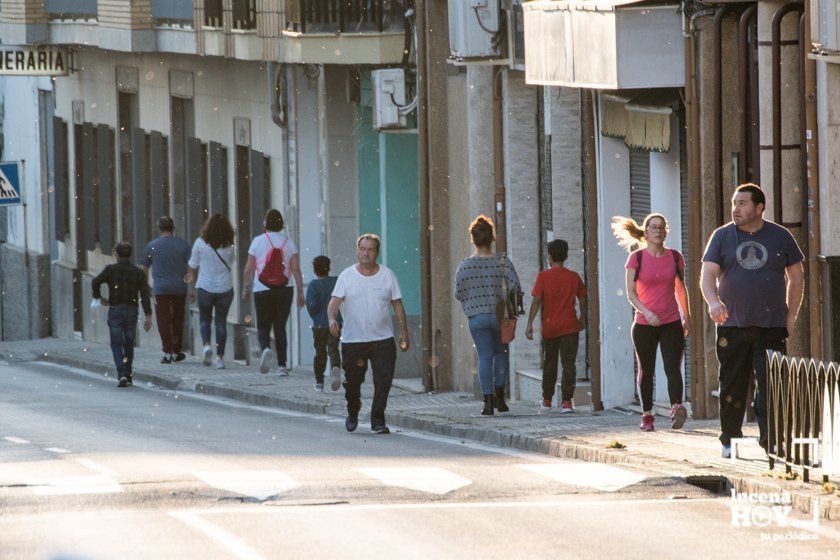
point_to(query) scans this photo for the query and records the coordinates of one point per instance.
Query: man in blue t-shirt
(168, 257)
(753, 281)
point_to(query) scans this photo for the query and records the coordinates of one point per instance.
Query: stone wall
(24, 317)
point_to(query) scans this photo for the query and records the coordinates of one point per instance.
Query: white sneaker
(335, 379)
(266, 359)
(282, 371)
(319, 387)
(218, 363)
(208, 355)
(726, 451)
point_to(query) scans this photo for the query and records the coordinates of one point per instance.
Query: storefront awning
(642, 120)
(619, 44)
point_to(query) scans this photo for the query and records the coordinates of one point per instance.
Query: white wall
(613, 177)
(21, 127)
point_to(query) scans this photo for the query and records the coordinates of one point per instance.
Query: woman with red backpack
(274, 259)
(656, 290)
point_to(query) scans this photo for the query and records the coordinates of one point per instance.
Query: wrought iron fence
(345, 16)
(803, 414)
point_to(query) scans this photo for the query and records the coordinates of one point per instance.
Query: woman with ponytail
(656, 290)
(479, 288)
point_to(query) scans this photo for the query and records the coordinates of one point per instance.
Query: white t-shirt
(367, 301)
(260, 248)
(213, 275)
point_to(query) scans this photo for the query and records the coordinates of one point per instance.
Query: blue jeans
(207, 303)
(122, 320)
(493, 360)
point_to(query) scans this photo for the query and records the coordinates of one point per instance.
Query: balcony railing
(70, 9)
(244, 14)
(345, 16)
(213, 13)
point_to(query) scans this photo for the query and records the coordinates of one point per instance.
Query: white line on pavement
(96, 467)
(256, 484)
(606, 478)
(67, 485)
(451, 505)
(434, 480)
(57, 449)
(221, 536)
(12, 439)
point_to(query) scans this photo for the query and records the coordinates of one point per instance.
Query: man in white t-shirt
(365, 292)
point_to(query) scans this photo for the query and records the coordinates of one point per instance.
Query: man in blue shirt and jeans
(168, 257)
(752, 280)
(317, 299)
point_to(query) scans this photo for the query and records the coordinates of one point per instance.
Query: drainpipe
(423, 134)
(499, 162)
(590, 196)
(743, 87)
(811, 204)
(718, 110)
(776, 90)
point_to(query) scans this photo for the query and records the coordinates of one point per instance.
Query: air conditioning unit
(388, 97)
(474, 28)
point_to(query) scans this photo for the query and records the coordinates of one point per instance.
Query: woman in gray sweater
(478, 286)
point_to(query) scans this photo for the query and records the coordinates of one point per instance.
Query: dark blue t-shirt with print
(752, 281)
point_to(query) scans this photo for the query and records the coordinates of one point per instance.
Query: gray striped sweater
(478, 284)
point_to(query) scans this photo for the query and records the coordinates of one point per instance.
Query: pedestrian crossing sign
(9, 184)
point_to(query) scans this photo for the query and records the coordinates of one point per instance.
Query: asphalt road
(89, 471)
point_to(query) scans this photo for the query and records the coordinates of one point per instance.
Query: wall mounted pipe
(717, 80)
(744, 23)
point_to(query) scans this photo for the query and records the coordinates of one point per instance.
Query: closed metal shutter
(684, 205)
(639, 184)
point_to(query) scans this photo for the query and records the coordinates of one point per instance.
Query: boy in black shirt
(125, 281)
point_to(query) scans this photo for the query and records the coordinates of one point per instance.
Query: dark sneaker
(351, 423)
(123, 382)
(380, 429)
(179, 357)
(545, 405)
(167, 359)
(130, 382)
(335, 379)
(678, 416)
(647, 423)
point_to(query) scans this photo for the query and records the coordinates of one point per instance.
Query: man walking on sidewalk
(367, 291)
(168, 257)
(125, 281)
(753, 281)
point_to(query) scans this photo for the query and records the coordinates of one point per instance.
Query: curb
(802, 499)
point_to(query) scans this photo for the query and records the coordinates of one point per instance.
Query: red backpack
(273, 273)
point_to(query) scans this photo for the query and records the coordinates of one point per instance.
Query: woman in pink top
(656, 290)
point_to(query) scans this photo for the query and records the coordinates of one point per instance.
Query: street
(91, 471)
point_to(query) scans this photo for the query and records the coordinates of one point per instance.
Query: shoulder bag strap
(676, 255)
(503, 268)
(638, 264)
(227, 266)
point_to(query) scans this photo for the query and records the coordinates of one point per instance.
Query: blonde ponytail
(628, 232)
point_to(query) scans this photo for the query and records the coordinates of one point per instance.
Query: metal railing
(345, 16)
(244, 14)
(803, 414)
(213, 16)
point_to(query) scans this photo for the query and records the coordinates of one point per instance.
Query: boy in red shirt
(555, 291)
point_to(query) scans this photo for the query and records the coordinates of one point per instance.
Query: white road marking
(12, 439)
(457, 505)
(592, 475)
(96, 467)
(236, 547)
(256, 484)
(62, 486)
(425, 479)
(57, 449)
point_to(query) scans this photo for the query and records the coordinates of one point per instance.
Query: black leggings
(645, 340)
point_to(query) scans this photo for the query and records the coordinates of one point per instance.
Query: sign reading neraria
(33, 61)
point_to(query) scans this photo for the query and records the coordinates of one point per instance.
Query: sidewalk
(691, 452)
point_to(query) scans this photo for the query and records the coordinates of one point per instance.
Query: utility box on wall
(473, 26)
(388, 98)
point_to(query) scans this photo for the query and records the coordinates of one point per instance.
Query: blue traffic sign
(10, 184)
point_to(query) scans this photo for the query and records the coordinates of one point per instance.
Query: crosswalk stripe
(63, 486)
(592, 475)
(57, 449)
(255, 484)
(433, 480)
(12, 439)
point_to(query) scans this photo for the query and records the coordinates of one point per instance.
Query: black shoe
(383, 429)
(166, 359)
(351, 423)
(501, 405)
(488, 406)
(131, 382)
(179, 357)
(123, 382)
